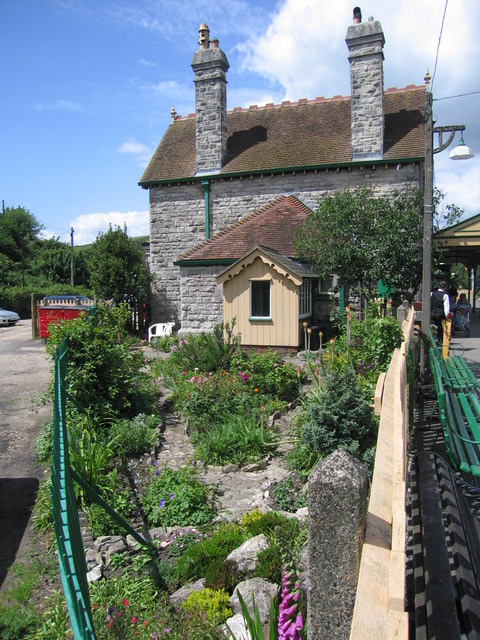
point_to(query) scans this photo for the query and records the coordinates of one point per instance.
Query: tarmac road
(25, 372)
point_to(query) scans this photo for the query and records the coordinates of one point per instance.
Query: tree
(117, 266)
(53, 262)
(18, 236)
(364, 239)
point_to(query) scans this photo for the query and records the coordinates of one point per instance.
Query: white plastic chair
(160, 330)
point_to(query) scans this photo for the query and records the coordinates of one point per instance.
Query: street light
(461, 152)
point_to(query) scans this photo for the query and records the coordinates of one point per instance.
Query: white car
(8, 318)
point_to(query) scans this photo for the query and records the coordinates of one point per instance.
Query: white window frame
(305, 299)
(269, 283)
(321, 290)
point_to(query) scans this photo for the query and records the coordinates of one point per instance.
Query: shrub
(195, 561)
(136, 436)
(268, 373)
(269, 565)
(178, 497)
(267, 522)
(215, 603)
(338, 416)
(220, 575)
(206, 399)
(103, 373)
(203, 352)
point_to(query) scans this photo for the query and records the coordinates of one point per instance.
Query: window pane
(260, 298)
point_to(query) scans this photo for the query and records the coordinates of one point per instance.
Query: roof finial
(427, 79)
(173, 113)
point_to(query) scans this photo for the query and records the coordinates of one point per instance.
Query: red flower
(125, 602)
(134, 620)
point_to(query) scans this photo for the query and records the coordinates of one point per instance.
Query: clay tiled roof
(272, 227)
(309, 133)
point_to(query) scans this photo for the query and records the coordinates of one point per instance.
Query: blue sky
(87, 87)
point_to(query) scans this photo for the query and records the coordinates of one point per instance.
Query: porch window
(305, 299)
(260, 299)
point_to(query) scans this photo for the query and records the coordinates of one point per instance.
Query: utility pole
(71, 256)
(427, 216)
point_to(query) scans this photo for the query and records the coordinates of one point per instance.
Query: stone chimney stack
(210, 66)
(365, 41)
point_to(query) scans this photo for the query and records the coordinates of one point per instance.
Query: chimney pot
(357, 15)
(204, 36)
(215, 43)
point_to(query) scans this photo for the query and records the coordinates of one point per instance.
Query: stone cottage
(216, 167)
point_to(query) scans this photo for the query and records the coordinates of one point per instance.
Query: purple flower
(171, 496)
(162, 503)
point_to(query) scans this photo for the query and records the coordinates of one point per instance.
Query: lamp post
(461, 152)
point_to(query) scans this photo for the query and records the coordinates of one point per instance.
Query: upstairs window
(305, 299)
(260, 299)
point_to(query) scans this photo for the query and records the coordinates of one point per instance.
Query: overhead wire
(438, 45)
(459, 95)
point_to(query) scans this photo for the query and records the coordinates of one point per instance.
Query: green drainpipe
(206, 186)
(342, 298)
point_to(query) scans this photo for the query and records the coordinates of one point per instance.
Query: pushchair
(461, 318)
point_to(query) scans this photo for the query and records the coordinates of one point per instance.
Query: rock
(254, 466)
(95, 574)
(263, 591)
(245, 556)
(182, 594)
(105, 546)
(236, 626)
(230, 468)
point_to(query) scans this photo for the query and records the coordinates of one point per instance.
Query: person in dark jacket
(440, 308)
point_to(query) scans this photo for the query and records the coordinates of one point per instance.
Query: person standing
(440, 308)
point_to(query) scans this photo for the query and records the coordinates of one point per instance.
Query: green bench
(455, 372)
(459, 413)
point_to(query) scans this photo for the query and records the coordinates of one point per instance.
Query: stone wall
(202, 301)
(177, 215)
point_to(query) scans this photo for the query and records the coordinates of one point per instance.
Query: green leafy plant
(220, 575)
(178, 497)
(135, 436)
(194, 563)
(214, 603)
(338, 415)
(203, 352)
(268, 372)
(253, 622)
(289, 494)
(90, 452)
(237, 440)
(104, 374)
(55, 621)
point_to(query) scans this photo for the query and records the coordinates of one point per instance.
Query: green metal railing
(71, 554)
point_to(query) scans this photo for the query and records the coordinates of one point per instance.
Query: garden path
(239, 489)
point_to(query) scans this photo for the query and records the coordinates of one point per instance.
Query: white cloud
(461, 185)
(58, 105)
(87, 226)
(147, 63)
(138, 148)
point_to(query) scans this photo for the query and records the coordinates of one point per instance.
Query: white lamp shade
(462, 152)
